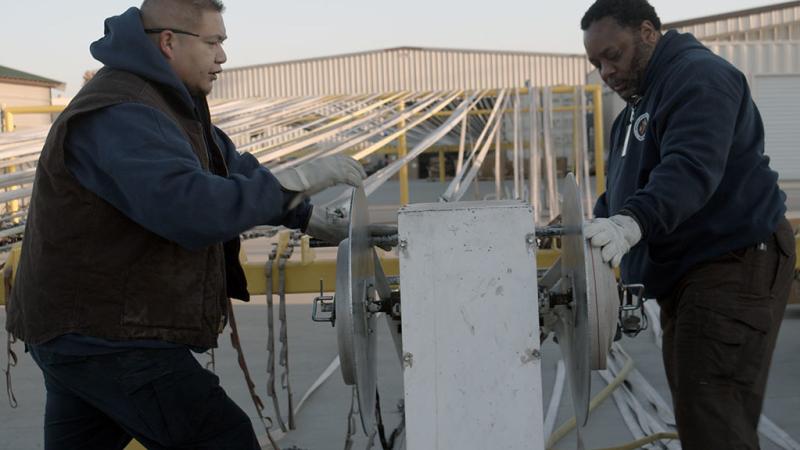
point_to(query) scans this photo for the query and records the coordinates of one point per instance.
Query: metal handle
(324, 307)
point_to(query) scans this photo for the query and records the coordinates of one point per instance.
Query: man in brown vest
(131, 245)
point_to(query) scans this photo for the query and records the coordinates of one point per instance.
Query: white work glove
(330, 227)
(319, 174)
(615, 235)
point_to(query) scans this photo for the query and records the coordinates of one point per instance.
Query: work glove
(319, 174)
(615, 235)
(332, 227)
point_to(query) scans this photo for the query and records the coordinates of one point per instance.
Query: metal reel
(355, 324)
(586, 328)
(603, 301)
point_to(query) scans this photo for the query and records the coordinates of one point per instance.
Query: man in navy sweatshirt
(693, 211)
(131, 245)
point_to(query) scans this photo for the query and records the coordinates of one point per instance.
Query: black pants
(163, 398)
(720, 325)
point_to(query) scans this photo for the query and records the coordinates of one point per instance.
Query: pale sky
(51, 38)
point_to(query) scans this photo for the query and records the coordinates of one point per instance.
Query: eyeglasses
(174, 30)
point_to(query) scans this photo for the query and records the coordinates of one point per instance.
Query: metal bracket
(324, 307)
(632, 318)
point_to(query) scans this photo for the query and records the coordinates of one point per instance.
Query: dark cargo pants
(162, 397)
(720, 325)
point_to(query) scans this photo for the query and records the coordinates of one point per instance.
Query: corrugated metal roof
(774, 22)
(402, 69)
(18, 76)
(409, 49)
(732, 15)
(760, 57)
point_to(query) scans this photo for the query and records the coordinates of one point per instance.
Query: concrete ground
(321, 422)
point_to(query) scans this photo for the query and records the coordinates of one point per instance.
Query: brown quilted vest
(86, 268)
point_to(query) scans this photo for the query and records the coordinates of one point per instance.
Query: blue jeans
(162, 397)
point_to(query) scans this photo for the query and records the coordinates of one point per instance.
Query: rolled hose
(569, 425)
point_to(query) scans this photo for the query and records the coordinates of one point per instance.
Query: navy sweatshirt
(687, 162)
(137, 159)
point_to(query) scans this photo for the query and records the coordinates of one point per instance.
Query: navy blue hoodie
(137, 158)
(693, 174)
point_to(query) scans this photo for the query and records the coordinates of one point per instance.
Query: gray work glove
(319, 174)
(332, 228)
(615, 235)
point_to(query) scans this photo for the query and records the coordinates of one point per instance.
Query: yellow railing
(10, 111)
(8, 125)
(304, 275)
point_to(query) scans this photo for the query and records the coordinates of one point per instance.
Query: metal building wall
(778, 99)
(754, 59)
(769, 32)
(774, 22)
(14, 94)
(411, 69)
(773, 72)
(758, 58)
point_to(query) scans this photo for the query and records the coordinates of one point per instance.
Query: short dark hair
(181, 12)
(214, 5)
(627, 13)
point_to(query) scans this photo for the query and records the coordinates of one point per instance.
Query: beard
(642, 52)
